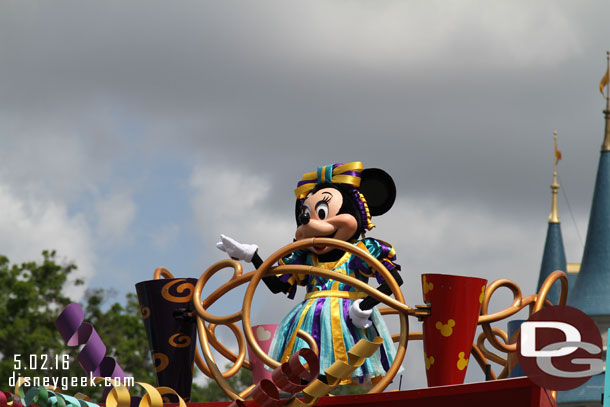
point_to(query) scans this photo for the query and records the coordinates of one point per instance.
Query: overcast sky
(134, 133)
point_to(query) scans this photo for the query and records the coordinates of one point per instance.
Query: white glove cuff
(355, 312)
(249, 250)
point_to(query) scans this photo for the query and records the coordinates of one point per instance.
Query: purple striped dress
(324, 313)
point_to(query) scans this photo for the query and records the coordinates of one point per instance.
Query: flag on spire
(557, 152)
(603, 83)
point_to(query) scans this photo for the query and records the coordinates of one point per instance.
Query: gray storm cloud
(457, 101)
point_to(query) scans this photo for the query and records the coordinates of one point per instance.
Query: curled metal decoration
(489, 355)
(201, 306)
(206, 333)
(238, 360)
(396, 305)
(211, 364)
(536, 302)
(546, 287)
(162, 272)
(518, 304)
(267, 268)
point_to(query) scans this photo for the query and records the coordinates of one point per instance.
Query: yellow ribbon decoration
(340, 371)
(117, 397)
(337, 330)
(292, 340)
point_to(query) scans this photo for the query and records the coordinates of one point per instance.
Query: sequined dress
(324, 313)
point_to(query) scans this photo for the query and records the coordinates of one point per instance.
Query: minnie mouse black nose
(304, 218)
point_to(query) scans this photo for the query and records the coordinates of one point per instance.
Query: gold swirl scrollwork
(535, 302)
(489, 355)
(163, 361)
(145, 312)
(267, 268)
(180, 340)
(180, 289)
(206, 333)
(119, 396)
(546, 287)
(213, 321)
(207, 323)
(162, 272)
(208, 365)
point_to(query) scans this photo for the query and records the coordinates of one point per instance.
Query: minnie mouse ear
(378, 189)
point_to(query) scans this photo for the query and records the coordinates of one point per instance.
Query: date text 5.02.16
(41, 362)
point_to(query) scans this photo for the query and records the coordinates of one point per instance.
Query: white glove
(359, 317)
(238, 251)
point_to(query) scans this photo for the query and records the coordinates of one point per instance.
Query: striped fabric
(325, 312)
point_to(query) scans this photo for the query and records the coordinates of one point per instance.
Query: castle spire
(554, 257)
(591, 291)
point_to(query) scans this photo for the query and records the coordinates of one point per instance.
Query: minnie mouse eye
(322, 210)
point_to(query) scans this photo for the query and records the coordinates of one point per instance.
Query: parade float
(176, 318)
(328, 347)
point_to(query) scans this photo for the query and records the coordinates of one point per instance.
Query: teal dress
(324, 313)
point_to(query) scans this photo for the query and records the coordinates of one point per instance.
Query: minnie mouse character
(336, 201)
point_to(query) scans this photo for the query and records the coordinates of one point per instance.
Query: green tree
(32, 295)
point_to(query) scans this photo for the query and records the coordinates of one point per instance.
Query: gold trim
(181, 287)
(293, 338)
(337, 331)
(331, 265)
(352, 295)
(163, 361)
(573, 268)
(180, 340)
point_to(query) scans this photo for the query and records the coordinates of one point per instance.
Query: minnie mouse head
(338, 201)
